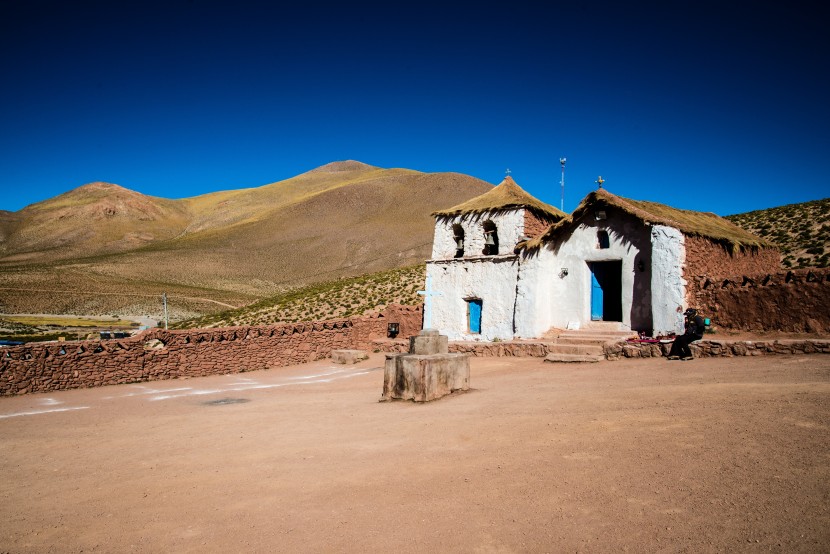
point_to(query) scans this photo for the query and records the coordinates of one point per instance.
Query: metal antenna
(164, 301)
(562, 163)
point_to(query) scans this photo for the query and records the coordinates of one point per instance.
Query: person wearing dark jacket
(694, 331)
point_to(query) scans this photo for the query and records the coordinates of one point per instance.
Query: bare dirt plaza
(718, 454)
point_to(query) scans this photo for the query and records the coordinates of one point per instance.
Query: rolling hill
(801, 231)
(288, 250)
(102, 249)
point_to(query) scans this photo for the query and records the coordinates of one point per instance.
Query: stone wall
(619, 350)
(410, 318)
(158, 354)
(704, 257)
(790, 301)
(716, 348)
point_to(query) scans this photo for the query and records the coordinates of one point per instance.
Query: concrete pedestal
(428, 372)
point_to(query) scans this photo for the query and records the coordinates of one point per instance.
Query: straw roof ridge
(506, 196)
(702, 224)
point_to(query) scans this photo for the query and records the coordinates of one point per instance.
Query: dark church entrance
(606, 291)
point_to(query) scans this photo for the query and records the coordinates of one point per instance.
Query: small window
(491, 239)
(458, 237)
(602, 239)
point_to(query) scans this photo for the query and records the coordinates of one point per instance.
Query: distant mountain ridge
(342, 219)
(105, 249)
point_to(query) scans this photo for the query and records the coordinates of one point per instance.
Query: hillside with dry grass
(102, 249)
(801, 231)
(325, 300)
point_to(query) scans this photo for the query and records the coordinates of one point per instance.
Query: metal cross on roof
(507, 172)
(600, 181)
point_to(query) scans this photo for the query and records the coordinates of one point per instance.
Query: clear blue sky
(719, 106)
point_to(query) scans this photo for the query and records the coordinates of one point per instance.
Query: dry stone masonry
(158, 354)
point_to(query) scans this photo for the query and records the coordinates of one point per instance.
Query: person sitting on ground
(694, 331)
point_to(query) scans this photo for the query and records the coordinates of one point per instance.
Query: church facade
(506, 266)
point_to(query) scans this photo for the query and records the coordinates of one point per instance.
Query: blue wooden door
(474, 308)
(596, 297)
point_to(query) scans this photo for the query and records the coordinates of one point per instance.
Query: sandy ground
(636, 455)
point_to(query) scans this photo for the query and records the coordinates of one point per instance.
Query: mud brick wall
(791, 301)
(158, 354)
(534, 225)
(704, 257)
(410, 318)
(714, 348)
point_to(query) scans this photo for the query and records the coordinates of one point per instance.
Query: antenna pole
(562, 163)
(164, 301)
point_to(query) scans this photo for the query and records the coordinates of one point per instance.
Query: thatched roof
(701, 224)
(506, 196)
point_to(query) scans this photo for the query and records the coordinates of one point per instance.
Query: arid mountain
(94, 219)
(801, 231)
(104, 249)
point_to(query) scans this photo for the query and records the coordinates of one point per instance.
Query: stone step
(577, 349)
(573, 358)
(595, 333)
(348, 356)
(589, 340)
(604, 326)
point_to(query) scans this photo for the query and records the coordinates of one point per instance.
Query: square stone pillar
(428, 372)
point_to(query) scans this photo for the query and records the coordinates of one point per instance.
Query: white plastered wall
(509, 226)
(489, 278)
(534, 295)
(667, 284)
(561, 299)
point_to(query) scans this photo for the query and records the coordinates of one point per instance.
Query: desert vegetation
(328, 300)
(801, 231)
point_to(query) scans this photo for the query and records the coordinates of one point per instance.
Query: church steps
(595, 339)
(584, 345)
(573, 358)
(577, 349)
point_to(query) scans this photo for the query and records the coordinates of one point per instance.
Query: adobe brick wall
(535, 226)
(44, 367)
(791, 301)
(704, 257)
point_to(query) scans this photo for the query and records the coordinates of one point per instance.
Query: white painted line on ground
(146, 391)
(253, 385)
(318, 375)
(190, 392)
(38, 412)
(50, 402)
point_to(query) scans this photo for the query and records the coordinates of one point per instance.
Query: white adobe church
(507, 266)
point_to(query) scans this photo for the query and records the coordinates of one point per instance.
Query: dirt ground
(727, 454)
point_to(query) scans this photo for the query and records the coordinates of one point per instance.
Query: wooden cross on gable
(428, 294)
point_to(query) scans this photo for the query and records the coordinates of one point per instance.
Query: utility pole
(164, 301)
(562, 163)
